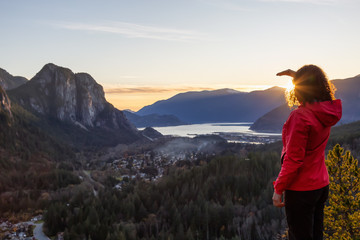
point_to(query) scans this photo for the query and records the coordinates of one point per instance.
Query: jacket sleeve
(297, 138)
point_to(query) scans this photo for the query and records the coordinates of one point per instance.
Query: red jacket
(305, 135)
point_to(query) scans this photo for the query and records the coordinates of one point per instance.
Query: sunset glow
(289, 86)
(134, 98)
(150, 48)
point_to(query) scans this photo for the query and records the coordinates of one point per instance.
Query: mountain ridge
(8, 81)
(223, 105)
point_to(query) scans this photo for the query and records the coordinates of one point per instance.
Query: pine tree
(342, 215)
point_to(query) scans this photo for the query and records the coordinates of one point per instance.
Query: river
(233, 132)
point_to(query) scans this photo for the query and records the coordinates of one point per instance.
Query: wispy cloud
(131, 30)
(226, 4)
(129, 77)
(318, 2)
(145, 90)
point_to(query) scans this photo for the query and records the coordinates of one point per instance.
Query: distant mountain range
(348, 90)
(266, 108)
(65, 100)
(153, 120)
(224, 105)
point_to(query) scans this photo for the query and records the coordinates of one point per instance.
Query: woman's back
(305, 135)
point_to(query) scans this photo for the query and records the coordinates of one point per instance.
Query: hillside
(32, 163)
(348, 136)
(225, 105)
(272, 121)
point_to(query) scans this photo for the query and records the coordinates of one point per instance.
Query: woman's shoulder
(301, 114)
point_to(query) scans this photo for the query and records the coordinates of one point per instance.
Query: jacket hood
(327, 112)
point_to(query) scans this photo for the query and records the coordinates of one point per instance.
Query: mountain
(48, 120)
(151, 133)
(348, 90)
(224, 105)
(7, 81)
(152, 120)
(73, 107)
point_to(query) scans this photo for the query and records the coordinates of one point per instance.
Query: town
(30, 230)
(150, 165)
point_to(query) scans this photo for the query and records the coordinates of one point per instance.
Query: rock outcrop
(5, 105)
(5, 108)
(57, 93)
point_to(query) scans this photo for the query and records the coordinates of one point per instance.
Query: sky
(142, 51)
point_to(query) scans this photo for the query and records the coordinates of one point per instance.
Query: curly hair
(311, 85)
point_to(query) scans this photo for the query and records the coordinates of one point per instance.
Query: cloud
(318, 2)
(129, 77)
(131, 30)
(145, 90)
(225, 4)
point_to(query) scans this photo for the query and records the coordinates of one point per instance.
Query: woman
(303, 178)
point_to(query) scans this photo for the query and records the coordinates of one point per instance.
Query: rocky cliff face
(58, 93)
(7, 81)
(5, 107)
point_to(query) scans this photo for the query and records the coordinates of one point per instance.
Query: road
(38, 231)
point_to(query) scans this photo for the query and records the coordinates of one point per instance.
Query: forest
(227, 198)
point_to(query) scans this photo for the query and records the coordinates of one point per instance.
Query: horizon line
(183, 89)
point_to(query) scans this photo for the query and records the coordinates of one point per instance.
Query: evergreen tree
(342, 215)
